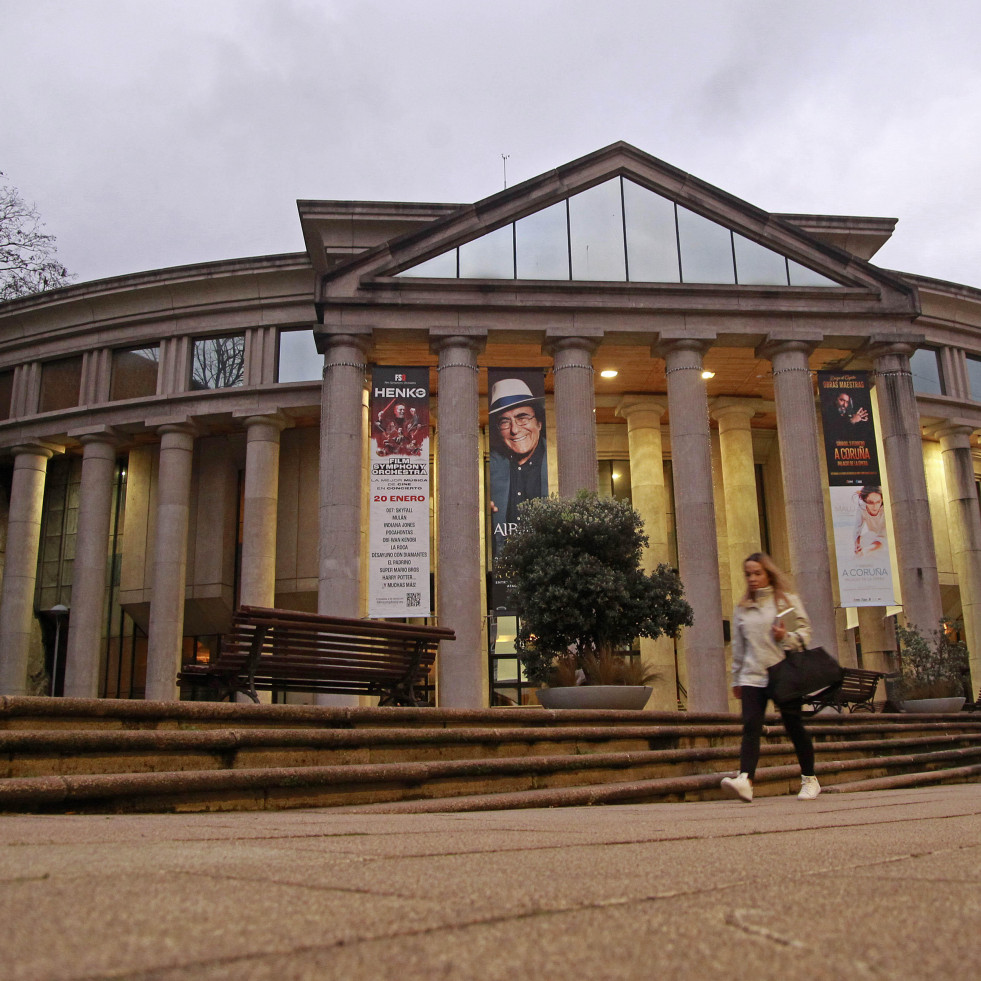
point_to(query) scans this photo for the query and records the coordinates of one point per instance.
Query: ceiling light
(609, 373)
(708, 374)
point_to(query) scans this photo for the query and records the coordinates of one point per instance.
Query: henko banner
(518, 458)
(398, 502)
(858, 509)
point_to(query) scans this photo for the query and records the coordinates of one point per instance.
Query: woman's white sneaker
(741, 787)
(809, 788)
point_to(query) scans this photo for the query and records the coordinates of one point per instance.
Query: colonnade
(460, 581)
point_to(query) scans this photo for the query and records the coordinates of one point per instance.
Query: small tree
(934, 667)
(575, 566)
(27, 254)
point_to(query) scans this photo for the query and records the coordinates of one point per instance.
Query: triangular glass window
(615, 232)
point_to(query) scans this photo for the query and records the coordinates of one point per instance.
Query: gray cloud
(159, 134)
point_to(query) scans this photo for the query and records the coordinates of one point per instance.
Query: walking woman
(759, 639)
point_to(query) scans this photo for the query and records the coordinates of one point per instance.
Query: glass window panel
(757, 265)
(489, 257)
(974, 377)
(706, 249)
(299, 359)
(218, 362)
(6, 393)
(596, 233)
(542, 244)
(439, 267)
(134, 373)
(925, 367)
(505, 669)
(802, 276)
(652, 242)
(60, 384)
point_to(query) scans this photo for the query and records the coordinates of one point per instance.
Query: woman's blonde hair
(779, 579)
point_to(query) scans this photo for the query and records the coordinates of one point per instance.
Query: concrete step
(53, 752)
(383, 783)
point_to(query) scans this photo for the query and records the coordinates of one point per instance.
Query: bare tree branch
(27, 254)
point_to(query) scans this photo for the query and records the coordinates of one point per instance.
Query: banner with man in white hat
(518, 456)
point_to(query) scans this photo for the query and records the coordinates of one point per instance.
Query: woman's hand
(779, 631)
(737, 691)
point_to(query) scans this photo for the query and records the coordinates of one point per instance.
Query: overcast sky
(155, 133)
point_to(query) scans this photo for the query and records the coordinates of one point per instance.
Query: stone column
(903, 449)
(20, 569)
(965, 534)
(341, 451)
(258, 577)
(169, 569)
(739, 485)
(460, 665)
(85, 626)
(575, 411)
(643, 414)
(803, 485)
(698, 547)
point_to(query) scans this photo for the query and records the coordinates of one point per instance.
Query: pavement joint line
(147, 974)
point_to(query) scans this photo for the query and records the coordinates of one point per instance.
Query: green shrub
(575, 566)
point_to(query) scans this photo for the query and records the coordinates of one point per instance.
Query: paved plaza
(878, 885)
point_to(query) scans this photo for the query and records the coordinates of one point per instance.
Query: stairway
(107, 756)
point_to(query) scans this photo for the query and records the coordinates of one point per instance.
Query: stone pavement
(883, 885)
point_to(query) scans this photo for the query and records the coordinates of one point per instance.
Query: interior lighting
(708, 374)
(609, 373)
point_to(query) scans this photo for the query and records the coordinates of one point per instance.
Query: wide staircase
(109, 756)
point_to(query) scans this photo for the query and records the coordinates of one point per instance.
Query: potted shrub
(931, 677)
(575, 567)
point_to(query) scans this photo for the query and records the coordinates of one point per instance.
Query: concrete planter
(595, 697)
(935, 705)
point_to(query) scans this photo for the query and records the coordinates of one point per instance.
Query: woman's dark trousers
(754, 708)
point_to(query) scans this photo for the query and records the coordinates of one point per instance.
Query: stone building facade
(178, 442)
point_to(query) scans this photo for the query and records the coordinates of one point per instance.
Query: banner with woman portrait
(858, 505)
(398, 501)
(518, 458)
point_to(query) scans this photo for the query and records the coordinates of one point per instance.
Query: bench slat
(295, 651)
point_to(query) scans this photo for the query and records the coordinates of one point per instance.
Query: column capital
(635, 405)
(473, 339)
(803, 342)
(732, 408)
(883, 345)
(330, 339)
(186, 428)
(249, 419)
(690, 340)
(953, 433)
(99, 434)
(559, 340)
(41, 448)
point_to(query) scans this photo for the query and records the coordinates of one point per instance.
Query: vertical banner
(518, 458)
(398, 502)
(858, 507)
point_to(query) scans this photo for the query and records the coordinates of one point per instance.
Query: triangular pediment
(616, 216)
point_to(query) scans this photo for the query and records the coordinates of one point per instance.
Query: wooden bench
(304, 652)
(856, 690)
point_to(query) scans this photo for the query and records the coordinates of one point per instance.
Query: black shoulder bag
(803, 673)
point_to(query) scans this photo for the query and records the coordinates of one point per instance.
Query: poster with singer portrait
(859, 509)
(518, 459)
(398, 501)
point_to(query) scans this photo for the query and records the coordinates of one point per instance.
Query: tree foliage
(27, 254)
(933, 666)
(575, 565)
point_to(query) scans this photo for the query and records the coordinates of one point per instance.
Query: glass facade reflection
(925, 366)
(299, 359)
(616, 232)
(541, 244)
(596, 233)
